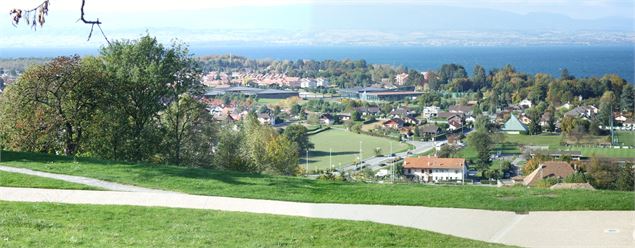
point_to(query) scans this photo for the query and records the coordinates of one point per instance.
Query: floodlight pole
(307, 161)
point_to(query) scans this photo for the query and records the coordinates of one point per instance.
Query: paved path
(535, 229)
(82, 180)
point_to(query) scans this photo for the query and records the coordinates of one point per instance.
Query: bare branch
(37, 15)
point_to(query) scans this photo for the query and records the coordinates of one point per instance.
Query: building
(514, 126)
(355, 93)
(431, 112)
(388, 96)
(462, 109)
(308, 83)
(327, 119)
(586, 112)
(394, 123)
(250, 91)
(525, 103)
(548, 169)
(433, 169)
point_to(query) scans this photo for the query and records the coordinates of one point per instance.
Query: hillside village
(410, 111)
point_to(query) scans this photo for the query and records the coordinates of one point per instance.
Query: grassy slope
(57, 225)
(19, 180)
(345, 147)
(222, 183)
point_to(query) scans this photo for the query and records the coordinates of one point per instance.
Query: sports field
(345, 147)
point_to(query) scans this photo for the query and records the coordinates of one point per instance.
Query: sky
(184, 18)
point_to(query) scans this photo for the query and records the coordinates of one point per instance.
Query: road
(374, 163)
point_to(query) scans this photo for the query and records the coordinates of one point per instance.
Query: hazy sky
(137, 16)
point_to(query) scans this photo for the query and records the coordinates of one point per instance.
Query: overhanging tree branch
(37, 15)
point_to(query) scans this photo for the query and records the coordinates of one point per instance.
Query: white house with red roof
(433, 169)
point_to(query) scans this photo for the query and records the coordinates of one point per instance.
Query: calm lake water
(579, 60)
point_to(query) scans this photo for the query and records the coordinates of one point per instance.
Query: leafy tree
(144, 75)
(62, 95)
(281, 155)
(187, 125)
(607, 104)
(479, 78)
(602, 174)
(627, 99)
(577, 177)
(228, 153)
(534, 115)
(446, 151)
(483, 144)
(298, 134)
(625, 178)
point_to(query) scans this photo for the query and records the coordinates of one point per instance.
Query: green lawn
(269, 101)
(8, 179)
(553, 141)
(232, 184)
(534, 140)
(345, 148)
(60, 225)
(626, 138)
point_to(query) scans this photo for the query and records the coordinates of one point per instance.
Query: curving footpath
(535, 229)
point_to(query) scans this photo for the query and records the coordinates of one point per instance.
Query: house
(308, 83)
(368, 110)
(343, 117)
(620, 117)
(401, 113)
(411, 120)
(433, 169)
(462, 109)
(395, 123)
(545, 119)
(586, 112)
(326, 119)
(525, 119)
(514, 126)
(430, 130)
(266, 118)
(454, 140)
(431, 112)
(322, 82)
(525, 103)
(628, 125)
(401, 78)
(553, 169)
(447, 115)
(454, 124)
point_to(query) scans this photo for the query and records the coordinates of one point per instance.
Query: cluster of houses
(223, 79)
(436, 170)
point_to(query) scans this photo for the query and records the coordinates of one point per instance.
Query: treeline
(137, 101)
(13, 67)
(344, 73)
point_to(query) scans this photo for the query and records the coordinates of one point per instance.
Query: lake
(581, 61)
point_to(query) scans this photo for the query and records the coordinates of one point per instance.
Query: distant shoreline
(581, 61)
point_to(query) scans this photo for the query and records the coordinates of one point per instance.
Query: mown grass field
(8, 179)
(626, 138)
(60, 225)
(345, 148)
(233, 184)
(512, 142)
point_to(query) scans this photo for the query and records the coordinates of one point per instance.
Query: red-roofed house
(433, 169)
